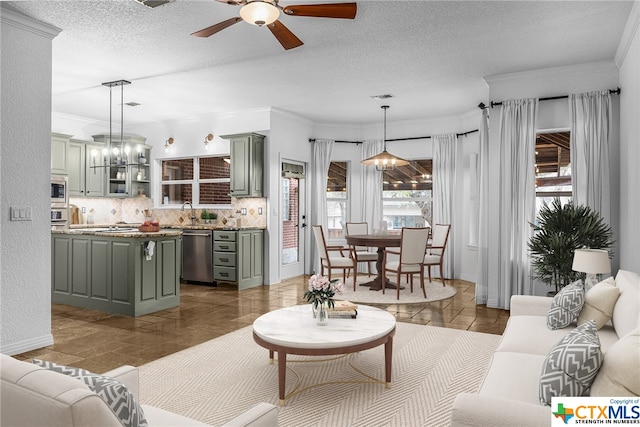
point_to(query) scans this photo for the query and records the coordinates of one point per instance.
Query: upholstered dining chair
(329, 261)
(360, 253)
(435, 251)
(411, 256)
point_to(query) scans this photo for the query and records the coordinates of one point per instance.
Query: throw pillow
(620, 371)
(566, 306)
(113, 392)
(599, 302)
(572, 364)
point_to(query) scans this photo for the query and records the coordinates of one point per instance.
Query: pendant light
(113, 150)
(385, 160)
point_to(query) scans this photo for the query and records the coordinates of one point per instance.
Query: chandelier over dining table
(385, 160)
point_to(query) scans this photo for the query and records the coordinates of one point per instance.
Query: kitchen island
(116, 270)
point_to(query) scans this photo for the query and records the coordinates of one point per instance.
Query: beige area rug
(363, 295)
(215, 381)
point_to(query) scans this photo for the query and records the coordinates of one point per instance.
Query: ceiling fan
(266, 12)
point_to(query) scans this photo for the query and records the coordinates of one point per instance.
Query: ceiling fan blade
(287, 39)
(334, 10)
(209, 31)
(232, 2)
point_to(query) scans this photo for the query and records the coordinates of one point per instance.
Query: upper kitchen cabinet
(85, 169)
(128, 171)
(247, 160)
(59, 149)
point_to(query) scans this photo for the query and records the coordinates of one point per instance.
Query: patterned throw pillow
(112, 391)
(572, 364)
(566, 306)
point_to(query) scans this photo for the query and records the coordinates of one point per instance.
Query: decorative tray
(149, 228)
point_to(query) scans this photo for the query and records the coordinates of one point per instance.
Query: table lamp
(592, 262)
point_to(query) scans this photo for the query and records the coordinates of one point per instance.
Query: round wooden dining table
(381, 241)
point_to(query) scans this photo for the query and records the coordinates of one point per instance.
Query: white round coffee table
(293, 330)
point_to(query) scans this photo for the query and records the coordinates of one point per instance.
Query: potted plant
(560, 230)
(208, 217)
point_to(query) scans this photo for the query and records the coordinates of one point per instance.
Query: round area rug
(363, 295)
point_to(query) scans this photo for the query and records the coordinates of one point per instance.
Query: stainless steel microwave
(59, 194)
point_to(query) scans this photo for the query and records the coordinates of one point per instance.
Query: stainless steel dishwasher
(197, 255)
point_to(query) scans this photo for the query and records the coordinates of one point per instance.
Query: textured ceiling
(430, 55)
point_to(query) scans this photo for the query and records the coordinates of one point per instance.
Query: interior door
(292, 219)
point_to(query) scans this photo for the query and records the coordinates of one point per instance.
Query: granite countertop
(215, 227)
(119, 232)
(86, 228)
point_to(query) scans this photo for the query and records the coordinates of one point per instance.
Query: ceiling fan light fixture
(259, 12)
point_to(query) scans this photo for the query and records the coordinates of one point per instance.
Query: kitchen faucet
(193, 217)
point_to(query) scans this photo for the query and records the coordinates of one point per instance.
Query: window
(337, 200)
(200, 180)
(407, 197)
(553, 168)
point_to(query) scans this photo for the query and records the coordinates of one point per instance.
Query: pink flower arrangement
(321, 289)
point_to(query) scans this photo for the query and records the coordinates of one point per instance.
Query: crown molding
(24, 22)
(629, 34)
(588, 67)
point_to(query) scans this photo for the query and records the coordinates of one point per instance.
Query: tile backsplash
(252, 211)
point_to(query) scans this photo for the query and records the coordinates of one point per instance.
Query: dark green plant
(558, 232)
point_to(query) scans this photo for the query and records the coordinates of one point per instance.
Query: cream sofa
(509, 393)
(34, 396)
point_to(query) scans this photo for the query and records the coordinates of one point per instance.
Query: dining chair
(435, 252)
(360, 253)
(327, 260)
(411, 256)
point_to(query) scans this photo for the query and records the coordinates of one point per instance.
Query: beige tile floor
(99, 341)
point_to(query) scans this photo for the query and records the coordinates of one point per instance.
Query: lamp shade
(259, 12)
(384, 161)
(591, 261)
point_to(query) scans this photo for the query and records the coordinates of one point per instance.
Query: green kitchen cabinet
(113, 274)
(250, 258)
(85, 180)
(247, 164)
(238, 257)
(59, 149)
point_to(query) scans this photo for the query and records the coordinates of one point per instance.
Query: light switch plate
(21, 213)
(243, 211)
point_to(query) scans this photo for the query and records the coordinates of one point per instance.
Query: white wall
(552, 115)
(25, 178)
(628, 59)
(288, 140)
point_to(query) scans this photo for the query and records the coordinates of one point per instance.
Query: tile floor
(99, 341)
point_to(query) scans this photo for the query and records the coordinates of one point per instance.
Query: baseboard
(27, 345)
(468, 278)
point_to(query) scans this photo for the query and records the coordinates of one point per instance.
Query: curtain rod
(493, 104)
(402, 139)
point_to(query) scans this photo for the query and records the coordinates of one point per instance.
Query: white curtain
(444, 185)
(517, 199)
(371, 186)
(482, 215)
(371, 200)
(322, 149)
(591, 115)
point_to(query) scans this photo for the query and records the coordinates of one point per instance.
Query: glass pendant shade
(385, 160)
(259, 13)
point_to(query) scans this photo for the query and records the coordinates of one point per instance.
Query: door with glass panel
(292, 219)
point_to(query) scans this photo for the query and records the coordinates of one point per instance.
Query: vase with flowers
(320, 294)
